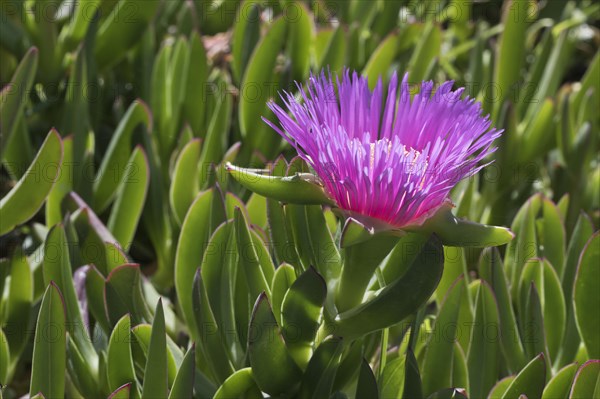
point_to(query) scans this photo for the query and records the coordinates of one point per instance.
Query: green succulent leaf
(123, 294)
(57, 269)
(183, 386)
(492, 271)
(552, 300)
(250, 262)
(530, 381)
(301, 312)
(195, 231)
(413, 388)
(113, 166)
(49, 355)
(484, 351)
(258, 77)
(18, 305)
(238, 384)
(211, 343)
(435, 371)
(120, 368)
(24, 200)
(184, 184)
(381, 59)
(130, 198)
(587, 297)
(366, 386)
(319, 376)
(123, 392)
(4, 356)
(246, 33)
(585, 384)
(457, 232)
(282, 281)
(404, 295)
(297, 189)
(155, 374)
(274, 369)
(13, 98)
(119, 32)
(559, 386)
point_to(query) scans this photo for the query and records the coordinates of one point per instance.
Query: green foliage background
(132, 265)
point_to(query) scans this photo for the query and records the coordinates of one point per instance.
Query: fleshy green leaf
(319, 376)
(4, 356)
(274, 369)
(155, 375)
(301, 312)
(297, 189)
(194, 236)
(587, 296)
(491, 269)
(457, 232)
(13, 97)
(130, 198)
(211, 343)
(413, 387)
(435, 371)
(300, 39)
(121, 30)
(403, 295)
(282, 281)
(49, 355)
(381, 60)
(484, 351)
(253, 97)
(249, 259)
(184, 183)
(530, 381)
(24, 200)
(586, 380)
(123, 392)
(246, 34)
(366, 386)
(120, 368)
(58, 269)
(239, 384)
(183, 386)
(560, 385)
(18, 305)
(111, 170)
(511, 49)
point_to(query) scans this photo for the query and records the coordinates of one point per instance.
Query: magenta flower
(386, 157)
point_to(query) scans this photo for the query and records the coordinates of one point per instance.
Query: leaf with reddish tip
(120, 366)
(123, 392)
(586, 380)
(560, 385)
(530, 381)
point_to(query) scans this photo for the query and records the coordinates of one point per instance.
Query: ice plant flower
(386, 160)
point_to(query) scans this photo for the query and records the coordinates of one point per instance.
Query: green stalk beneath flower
(359, 265)
(399, 299)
